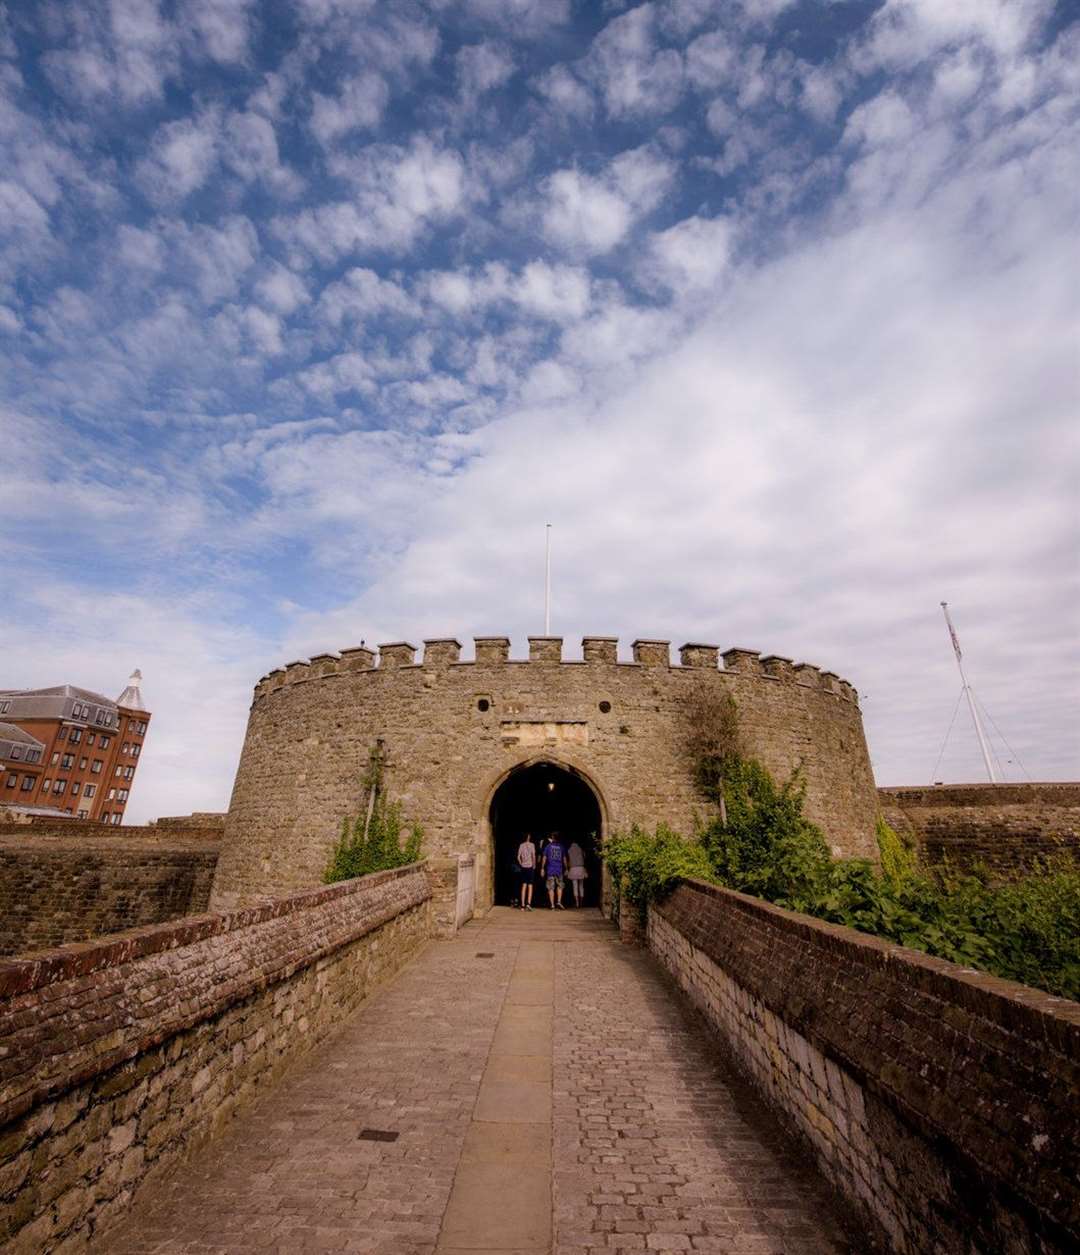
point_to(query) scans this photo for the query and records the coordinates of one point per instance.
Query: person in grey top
(526, 861)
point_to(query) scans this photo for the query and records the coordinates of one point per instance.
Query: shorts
(554, 882)
(526, 874)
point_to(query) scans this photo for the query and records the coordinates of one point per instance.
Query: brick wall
(118, 1057)
(1006, 827)
(69, 881)
(944, 1104)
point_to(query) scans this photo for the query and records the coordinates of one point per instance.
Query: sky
(313, 314)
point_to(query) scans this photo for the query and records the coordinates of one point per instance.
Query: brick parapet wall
(1007, 828)
(59, 886)
(118, 1057)
(943, 1103)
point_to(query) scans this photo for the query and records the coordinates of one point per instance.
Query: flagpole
(547, 580)
(970, 700)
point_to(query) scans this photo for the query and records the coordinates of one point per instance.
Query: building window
(135, 751)
(128, 772)
(59, 787)
(82, 814)
(96, 766)
(75, 786)
(82, 763)
(5, 707)
(104, 742)
(56, 758)
(122, 795)
(90, 790)
(124, 748)
(106, 817)
(16, 751)
(116, 818)
(67, 762)
(75, 735)
(46, 785)
(27, 784)
(62, 734)
(12, 781)
(118, 770)
(33, 756)
(91, 737)
(112, 794)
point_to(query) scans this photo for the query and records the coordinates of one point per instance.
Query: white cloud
(481, 67)
(398, 193)
(223, 27)
(632, 74)
(520, 17)
(883, 120)
(181, 158)
(903, 33)
(359, 105)
(282, 289)
(566, 94)
(362, 294)
(692, 255)
(591, 215)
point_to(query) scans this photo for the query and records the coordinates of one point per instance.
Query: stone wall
(71, 880)
(118, 1057)
(1007, 828)
(944, 1104)
(453, 730)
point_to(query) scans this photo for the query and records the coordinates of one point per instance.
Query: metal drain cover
(377, 1135)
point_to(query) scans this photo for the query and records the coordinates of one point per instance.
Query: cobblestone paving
(649, 1146)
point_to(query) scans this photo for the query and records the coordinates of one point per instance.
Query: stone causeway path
(549, 1092)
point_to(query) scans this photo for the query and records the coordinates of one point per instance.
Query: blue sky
(313, 314)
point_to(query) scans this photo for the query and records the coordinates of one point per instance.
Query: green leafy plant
(759, 842)
(372, 840)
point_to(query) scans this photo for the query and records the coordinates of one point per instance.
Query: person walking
(554, 860)
(526, 861)
(576, 872)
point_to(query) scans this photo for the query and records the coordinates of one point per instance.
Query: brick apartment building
(69, 751)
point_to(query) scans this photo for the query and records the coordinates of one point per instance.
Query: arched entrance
(543, 798)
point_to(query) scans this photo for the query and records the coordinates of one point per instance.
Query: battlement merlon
(444, 652)
(441, 651)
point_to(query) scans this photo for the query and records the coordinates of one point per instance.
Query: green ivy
(761, 843)
(372, 840)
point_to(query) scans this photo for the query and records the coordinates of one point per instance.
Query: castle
(479, 751)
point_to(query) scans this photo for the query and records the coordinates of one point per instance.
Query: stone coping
(43, 968)
(1053, 792)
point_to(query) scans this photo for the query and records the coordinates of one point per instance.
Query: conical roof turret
(132, 697)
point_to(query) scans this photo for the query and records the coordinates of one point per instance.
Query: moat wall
(70, 880)
(943, 1103)
(1006, 828)
(453, 730)
(119, 1057)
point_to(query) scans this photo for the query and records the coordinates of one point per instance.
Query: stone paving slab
(556, 1097)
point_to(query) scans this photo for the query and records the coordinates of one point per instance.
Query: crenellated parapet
(442, 653)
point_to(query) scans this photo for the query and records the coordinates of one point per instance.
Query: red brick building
(78, 749)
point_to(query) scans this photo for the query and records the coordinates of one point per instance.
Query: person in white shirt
(526, 861)
(575, 872)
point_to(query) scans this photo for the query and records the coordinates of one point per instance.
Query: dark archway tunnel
(542, 799)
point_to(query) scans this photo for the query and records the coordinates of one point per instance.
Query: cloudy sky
(313, 313)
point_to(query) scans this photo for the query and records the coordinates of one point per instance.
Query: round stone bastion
(455, 733)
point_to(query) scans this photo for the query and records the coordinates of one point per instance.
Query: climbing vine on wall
(757, 840)
(372, 840)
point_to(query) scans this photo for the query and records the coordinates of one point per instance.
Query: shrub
(371, 841)
(760, 843)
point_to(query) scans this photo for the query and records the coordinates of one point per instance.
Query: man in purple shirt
(554, 858)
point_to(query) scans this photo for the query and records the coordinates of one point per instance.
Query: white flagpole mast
(970, 700)
(547, 581)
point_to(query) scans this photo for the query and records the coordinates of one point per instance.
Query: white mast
(970, 700)
(547, 581)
